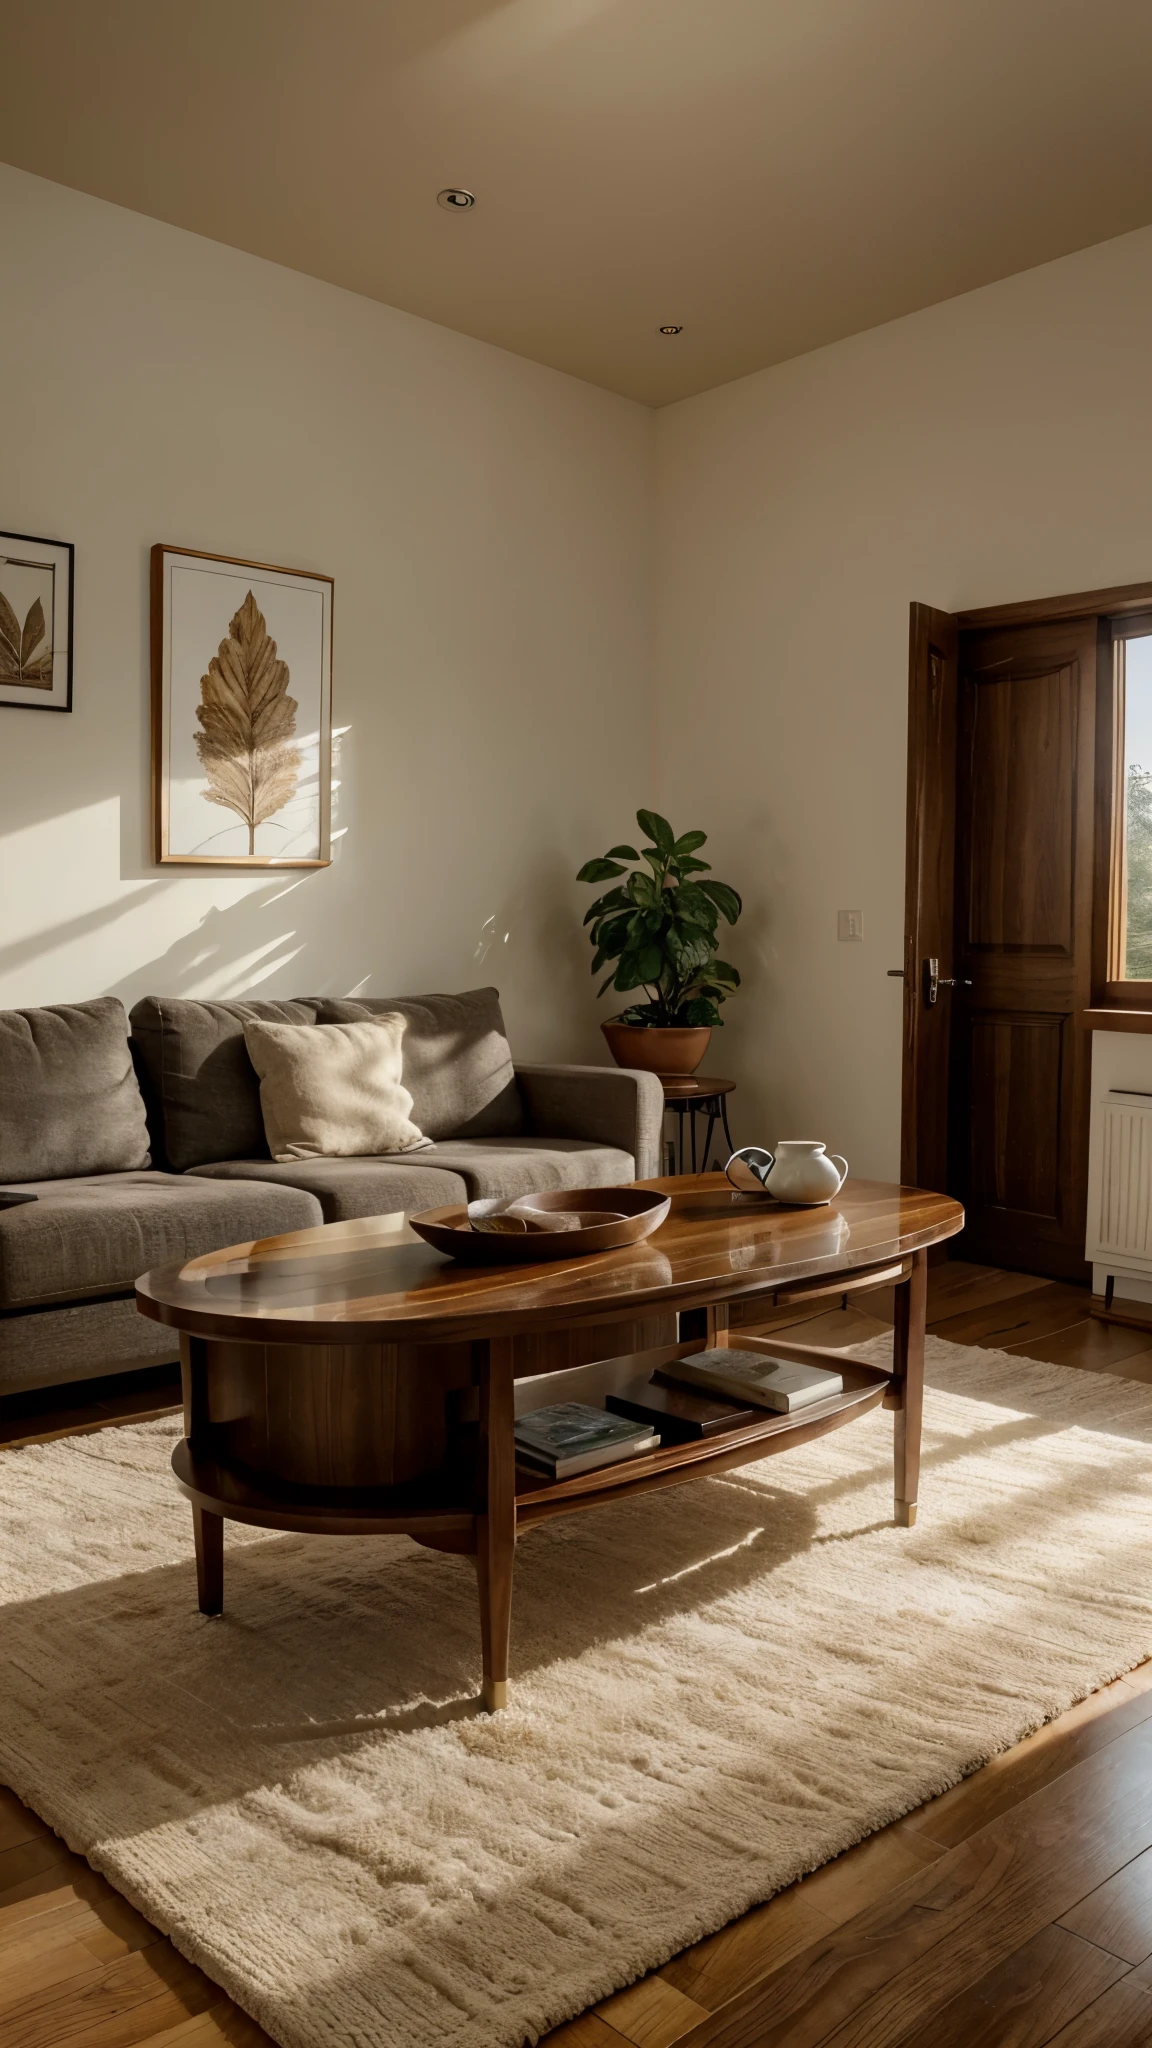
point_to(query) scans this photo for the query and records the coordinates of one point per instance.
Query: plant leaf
(658, 829)
(692, 902)
(622, 853)
(615, 931)
(599, 870)
(642, 964)
(690, 947)
(247, 722)
(614, 900)
(9, 638)
(642, 889)
(33, 631)
(688, 842)
(699, 1011)
(726, 900)
(684, 864)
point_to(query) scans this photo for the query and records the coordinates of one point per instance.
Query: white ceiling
(774, 174)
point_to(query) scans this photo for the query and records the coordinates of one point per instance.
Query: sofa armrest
(609, 1105)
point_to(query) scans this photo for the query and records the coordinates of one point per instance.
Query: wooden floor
(1013, 1912)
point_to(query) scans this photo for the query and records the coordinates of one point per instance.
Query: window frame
(1111, 901)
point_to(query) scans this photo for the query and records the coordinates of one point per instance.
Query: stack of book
(572, 1437)
(782, 1384)
(711, 1392)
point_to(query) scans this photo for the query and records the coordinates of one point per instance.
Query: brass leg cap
(494, 1693)
(905, 1516)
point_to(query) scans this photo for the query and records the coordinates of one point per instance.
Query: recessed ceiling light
(670, 329)
(456, 198)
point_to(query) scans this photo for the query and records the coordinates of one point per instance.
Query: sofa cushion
(200, 1086)
(347, 1188)
(333, 1091)
(527, 1166)
(69, 1098)
(46, 1347)
(96, 1235)
(457, 1060)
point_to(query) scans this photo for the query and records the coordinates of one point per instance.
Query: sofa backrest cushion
(201, 1088)
(457, 1060)
(70, 1102)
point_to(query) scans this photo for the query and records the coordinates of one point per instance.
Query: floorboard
(1014, 1911)
(1121, 2019)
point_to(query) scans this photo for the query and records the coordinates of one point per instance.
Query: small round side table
(697, 1095)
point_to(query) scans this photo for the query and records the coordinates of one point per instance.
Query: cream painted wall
(488, 523)
(997, 447)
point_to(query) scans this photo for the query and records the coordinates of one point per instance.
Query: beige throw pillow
(333, 1091)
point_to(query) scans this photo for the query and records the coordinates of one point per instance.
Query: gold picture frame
(241, 712)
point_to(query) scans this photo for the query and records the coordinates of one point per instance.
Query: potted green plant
(659, 927)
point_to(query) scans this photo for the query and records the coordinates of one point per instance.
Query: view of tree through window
(1138, 795)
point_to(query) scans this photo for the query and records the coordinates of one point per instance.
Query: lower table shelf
(538, 1499)
(441, 1507)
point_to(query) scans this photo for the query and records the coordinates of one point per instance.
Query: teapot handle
(843, 1166)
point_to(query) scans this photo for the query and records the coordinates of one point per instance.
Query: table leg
(207, 1528)
(724, 1121)
(496, 1523)
(712, 1115)
(908, 1386)
(208, 1532)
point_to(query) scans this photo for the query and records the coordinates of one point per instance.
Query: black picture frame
(16, 694)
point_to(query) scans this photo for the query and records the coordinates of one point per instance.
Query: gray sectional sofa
(142, 1142)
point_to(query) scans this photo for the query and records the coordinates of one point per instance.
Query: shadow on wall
(222, 956)
(282, 938)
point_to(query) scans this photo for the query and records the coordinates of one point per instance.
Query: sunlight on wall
(71, 921)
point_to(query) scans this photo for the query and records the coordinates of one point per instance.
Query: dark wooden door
(1019, 1061)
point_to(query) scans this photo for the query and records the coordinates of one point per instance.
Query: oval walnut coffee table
(350, 1380)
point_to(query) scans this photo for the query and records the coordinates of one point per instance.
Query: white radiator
(1122, 1210)
(1119, 1234)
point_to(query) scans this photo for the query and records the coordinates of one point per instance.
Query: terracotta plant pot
(658, 1048)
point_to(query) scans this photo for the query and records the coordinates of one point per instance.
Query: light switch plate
(849, 924)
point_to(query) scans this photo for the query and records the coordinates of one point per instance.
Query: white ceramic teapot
(799, 1171)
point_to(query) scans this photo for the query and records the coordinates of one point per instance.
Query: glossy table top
(375, 1281)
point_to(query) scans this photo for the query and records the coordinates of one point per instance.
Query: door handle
(934, 981)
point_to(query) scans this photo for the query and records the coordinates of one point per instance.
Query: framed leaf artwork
(241, 712)
(35, 622)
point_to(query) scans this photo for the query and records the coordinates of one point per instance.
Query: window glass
(1138, 808)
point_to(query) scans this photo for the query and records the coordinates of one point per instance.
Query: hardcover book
(572, 1437)
(782, 1384)
(681, 1414)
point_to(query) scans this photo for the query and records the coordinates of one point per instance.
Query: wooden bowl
(631, 1214)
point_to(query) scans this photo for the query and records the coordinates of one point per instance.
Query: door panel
(1014, 1126)
(1025, 842)
(1023, 797)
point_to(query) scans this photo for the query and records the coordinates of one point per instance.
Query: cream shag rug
(715, 1689)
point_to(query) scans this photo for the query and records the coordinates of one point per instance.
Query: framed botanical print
(241, 712)
(35, 622)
